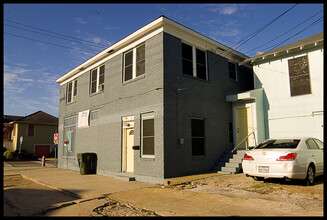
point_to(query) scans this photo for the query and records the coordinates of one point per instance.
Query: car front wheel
(310, 176)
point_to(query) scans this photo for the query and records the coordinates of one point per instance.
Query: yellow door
(129, 150)
(241, 126)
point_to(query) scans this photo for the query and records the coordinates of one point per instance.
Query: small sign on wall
(83, 119)
(55, 138)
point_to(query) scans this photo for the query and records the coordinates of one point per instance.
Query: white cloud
(228, 9)
(80, 20)
(98, 40)
(227, 32)
(26, 80)
(29, 90)
(78, 57)
(224, 9)
(14, 80)
(239, 10)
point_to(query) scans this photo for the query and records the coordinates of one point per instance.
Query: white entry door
(129, 150)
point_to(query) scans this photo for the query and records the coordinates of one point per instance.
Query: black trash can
(87, 163)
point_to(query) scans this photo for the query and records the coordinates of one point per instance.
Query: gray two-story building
(153, 105)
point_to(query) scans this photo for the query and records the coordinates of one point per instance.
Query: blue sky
(42, 42)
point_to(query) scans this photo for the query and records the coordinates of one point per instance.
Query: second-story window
(299, 76)
(71, 91)
(194, 62)
(134, 63)
(97, 79)
(30, 130)
(232, 70)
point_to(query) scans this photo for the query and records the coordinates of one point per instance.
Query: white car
(298, 158)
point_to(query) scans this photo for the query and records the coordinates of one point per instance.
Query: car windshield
(278, 144)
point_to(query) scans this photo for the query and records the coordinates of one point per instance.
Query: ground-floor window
(69, 136)
(147, 135)
(198, 137)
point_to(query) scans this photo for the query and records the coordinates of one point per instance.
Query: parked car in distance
(295, 158)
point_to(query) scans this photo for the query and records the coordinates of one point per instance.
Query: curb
(5, 164)
(52, 187)
(63, 204)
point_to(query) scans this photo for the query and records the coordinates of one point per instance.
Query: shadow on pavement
(26, 198)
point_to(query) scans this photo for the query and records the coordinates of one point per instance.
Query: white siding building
(291, 81)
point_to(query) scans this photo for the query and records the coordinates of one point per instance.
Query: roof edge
(108, 50)
(151, 26)
(287, 48)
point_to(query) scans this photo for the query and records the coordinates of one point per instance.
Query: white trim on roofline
(161, 24)
(104, 53)
(181, 28)
(102, 61)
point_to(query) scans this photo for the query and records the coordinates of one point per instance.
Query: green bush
(9, 154)
(4, 150)
(12, 155)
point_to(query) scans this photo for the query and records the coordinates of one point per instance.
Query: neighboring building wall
(43, 135)
(8, 139)
(186, 97)
(288, 115)
(119, 99)
(15, 137)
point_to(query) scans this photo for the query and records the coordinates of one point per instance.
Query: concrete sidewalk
(165, 201)
(77, 185)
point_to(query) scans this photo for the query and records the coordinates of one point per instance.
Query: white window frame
(133, 63)
(146, 117)
(73, 95)
(194, 61)
(98, 89)
(69, 128)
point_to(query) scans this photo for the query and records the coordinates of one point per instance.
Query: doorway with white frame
(244, 123)
(128, 143)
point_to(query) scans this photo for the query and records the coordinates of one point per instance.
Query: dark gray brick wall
(104, 136)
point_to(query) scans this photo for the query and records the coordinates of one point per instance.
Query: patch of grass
(262, 188)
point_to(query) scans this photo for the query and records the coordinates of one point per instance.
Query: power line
(262, 28)
(246, 39)
(53, 36)
(304, 29)
(48, 43)
(284, 32)
(53, 32)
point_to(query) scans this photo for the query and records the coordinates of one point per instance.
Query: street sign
(55, 138)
